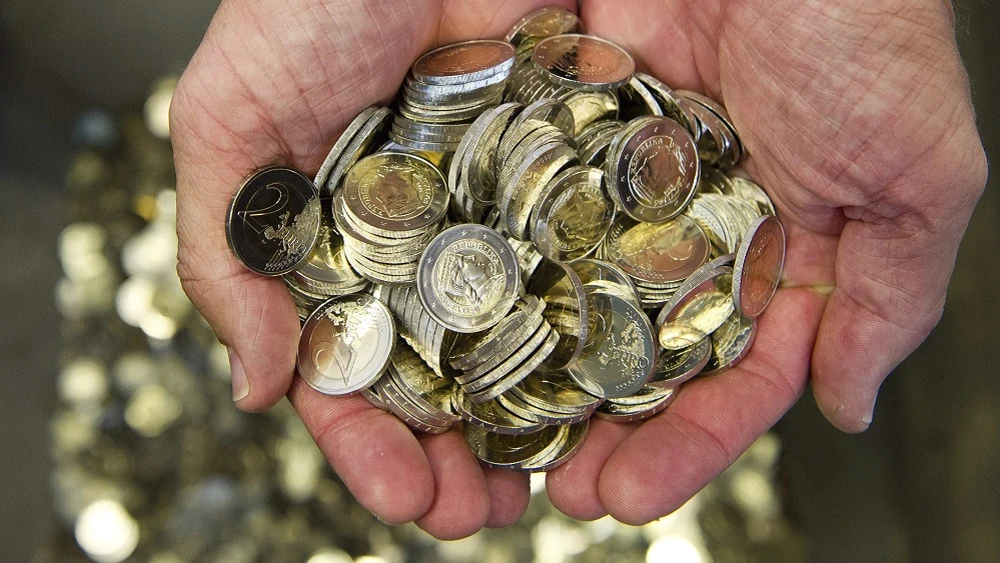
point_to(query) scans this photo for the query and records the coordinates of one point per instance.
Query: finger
(573, 487)
(670, 457)
(461, 504)
(894, 261)
(252, 315)
(374, 453)
(509, 494)
(890, 293)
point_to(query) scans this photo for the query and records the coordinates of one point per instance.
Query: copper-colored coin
(584, 62)
(758, 267)
(464, 62)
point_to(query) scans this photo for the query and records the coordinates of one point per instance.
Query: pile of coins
(544, 234)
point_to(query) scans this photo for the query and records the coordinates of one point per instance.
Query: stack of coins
(414, 393)
(428, 338)
(365, 132)
(325, 273)
(594, 140)
(490, 363)
(447, 88)
(567, 310)
(390, 206)
(554, 236)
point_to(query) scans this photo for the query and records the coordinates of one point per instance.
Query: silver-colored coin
(665, 252)
(635, 100)
(463, 90)
(346, 344)
(517, 375)
(588, 107)
(620, 354)
(584, 62)
(542, 23)
(474, 350)
(731, 343)
(468, 278)
(699, 307)
(670, 103)
(592, 270)
(408, 413)
(396, 394)
(519, 407)
(492, 416)
(567, 310)
(556, 392)
(421, 145)
(655, 169)
(551, 111)
(677, 366)
(508, 451)
(370, 134)
(477, 380)
(375, 398)
(528, 182)
(575, 436)
(478, 153)
(624, 413)
(340, 145)
(572, 215)
(326, 269)
(273, 220)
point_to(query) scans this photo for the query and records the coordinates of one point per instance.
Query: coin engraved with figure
(472, 277)
(346, 344)
(658, 252)
(577, 218)
(273, 220)
(396, 191)
(468, 278)
(657, 172)
(572, 215)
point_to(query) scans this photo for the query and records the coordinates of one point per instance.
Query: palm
(252, 97)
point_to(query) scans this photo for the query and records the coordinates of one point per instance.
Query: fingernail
(870, 415)
(380, 519)
(241, 387)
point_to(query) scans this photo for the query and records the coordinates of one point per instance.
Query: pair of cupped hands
(857, 119)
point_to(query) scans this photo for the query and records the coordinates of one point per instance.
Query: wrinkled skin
(859, 124)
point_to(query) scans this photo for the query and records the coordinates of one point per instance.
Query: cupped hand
(857, 120)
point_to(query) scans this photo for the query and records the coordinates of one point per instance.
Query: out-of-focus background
(118, 437)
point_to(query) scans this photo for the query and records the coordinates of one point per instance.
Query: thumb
(252, 315)
(892, 276)
(218, 139)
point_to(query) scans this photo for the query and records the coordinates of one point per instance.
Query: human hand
(276, 82)
(858, 122)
